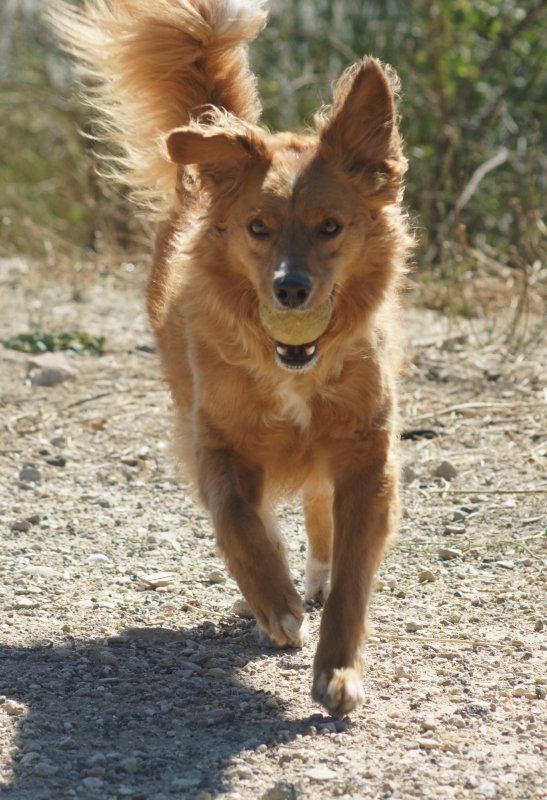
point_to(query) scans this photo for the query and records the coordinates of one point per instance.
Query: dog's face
(295, 212)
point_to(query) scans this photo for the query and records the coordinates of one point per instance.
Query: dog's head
(307, 219)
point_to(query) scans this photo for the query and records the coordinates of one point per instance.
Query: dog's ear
(219, 154)
(361, 127)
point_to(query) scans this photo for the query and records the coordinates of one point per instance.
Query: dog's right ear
(218, 154)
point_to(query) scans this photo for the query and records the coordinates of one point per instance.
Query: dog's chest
(292, 405)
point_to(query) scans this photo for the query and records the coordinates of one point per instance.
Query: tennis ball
(295, 327)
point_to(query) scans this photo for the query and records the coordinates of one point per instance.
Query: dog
(273, 297)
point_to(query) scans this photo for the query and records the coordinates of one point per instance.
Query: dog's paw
(289, 631)
(338, 690)
(317, 580)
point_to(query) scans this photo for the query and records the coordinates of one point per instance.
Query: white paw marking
(317, 579)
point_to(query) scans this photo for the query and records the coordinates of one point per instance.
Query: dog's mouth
(297, 356)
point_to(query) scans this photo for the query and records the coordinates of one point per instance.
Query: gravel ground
(125, 671)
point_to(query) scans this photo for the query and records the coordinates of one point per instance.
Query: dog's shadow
(151, 711)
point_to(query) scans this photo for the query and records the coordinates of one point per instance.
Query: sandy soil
(126, 673)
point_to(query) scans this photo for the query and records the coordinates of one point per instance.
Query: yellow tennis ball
(294, 327)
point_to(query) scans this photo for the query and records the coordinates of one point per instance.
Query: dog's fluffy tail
(150, 65)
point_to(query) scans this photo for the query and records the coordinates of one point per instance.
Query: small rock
(216, 577)
(41, 571)
(447, 553)
(97, 558)
(282, 790)
(538, 625)
(408, 474)
(402, 672)
(155, 580)
(25, 603)
(12, 708)
(45, 770)
(428, 724)
(56, 461)
(487, 789)
(92, 784)
(20, 525)
(426, 576)
(445, 470)
(50, 369)
(30, 474)
(505, 564)
(241, 608)
(130, 764)
(321, 774)
(412, 626)
(454, 530)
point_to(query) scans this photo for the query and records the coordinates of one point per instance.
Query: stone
(30, 474)
(445, 470)
(448, 554)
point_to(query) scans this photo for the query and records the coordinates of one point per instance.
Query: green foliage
(41, 342)
(51, 200)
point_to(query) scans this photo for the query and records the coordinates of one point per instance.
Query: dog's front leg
(365, 512)
(232, 491)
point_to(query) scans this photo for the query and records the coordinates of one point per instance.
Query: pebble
(92, 784)
(216, 577)
(487, 789)
(21, 525)
(97, 558)
(408, 474)
(282, 790)
(56, 461)
(402, 672)
(412, 626)
(448, 554)
(538, 625)
(453, 530)
(427, 576)
(445, 470)
(321, 774)
(50, 369)
(156, 580)
(45, 770)
(41, 571)
(30, 474)
(25, 603)
(130, 764)
(241, 608)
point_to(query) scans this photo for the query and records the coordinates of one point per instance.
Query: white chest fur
(292, 405)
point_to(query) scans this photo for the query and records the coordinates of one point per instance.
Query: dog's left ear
(361, 128)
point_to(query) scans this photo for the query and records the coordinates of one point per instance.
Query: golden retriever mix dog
(272, 297)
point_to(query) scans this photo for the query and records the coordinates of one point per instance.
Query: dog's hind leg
(365, 513)
(318, 496)
(232, 491)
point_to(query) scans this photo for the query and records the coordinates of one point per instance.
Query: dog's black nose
(292, 289)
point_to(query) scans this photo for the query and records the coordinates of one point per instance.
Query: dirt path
(124, 672)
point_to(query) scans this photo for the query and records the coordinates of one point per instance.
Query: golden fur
(242, 207)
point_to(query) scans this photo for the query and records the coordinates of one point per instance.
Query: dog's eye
(330, 227)
(258, 228)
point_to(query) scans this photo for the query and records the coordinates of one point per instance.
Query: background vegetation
(474, 83)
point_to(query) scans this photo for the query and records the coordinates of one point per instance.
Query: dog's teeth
(282, 350)
(310, 350)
